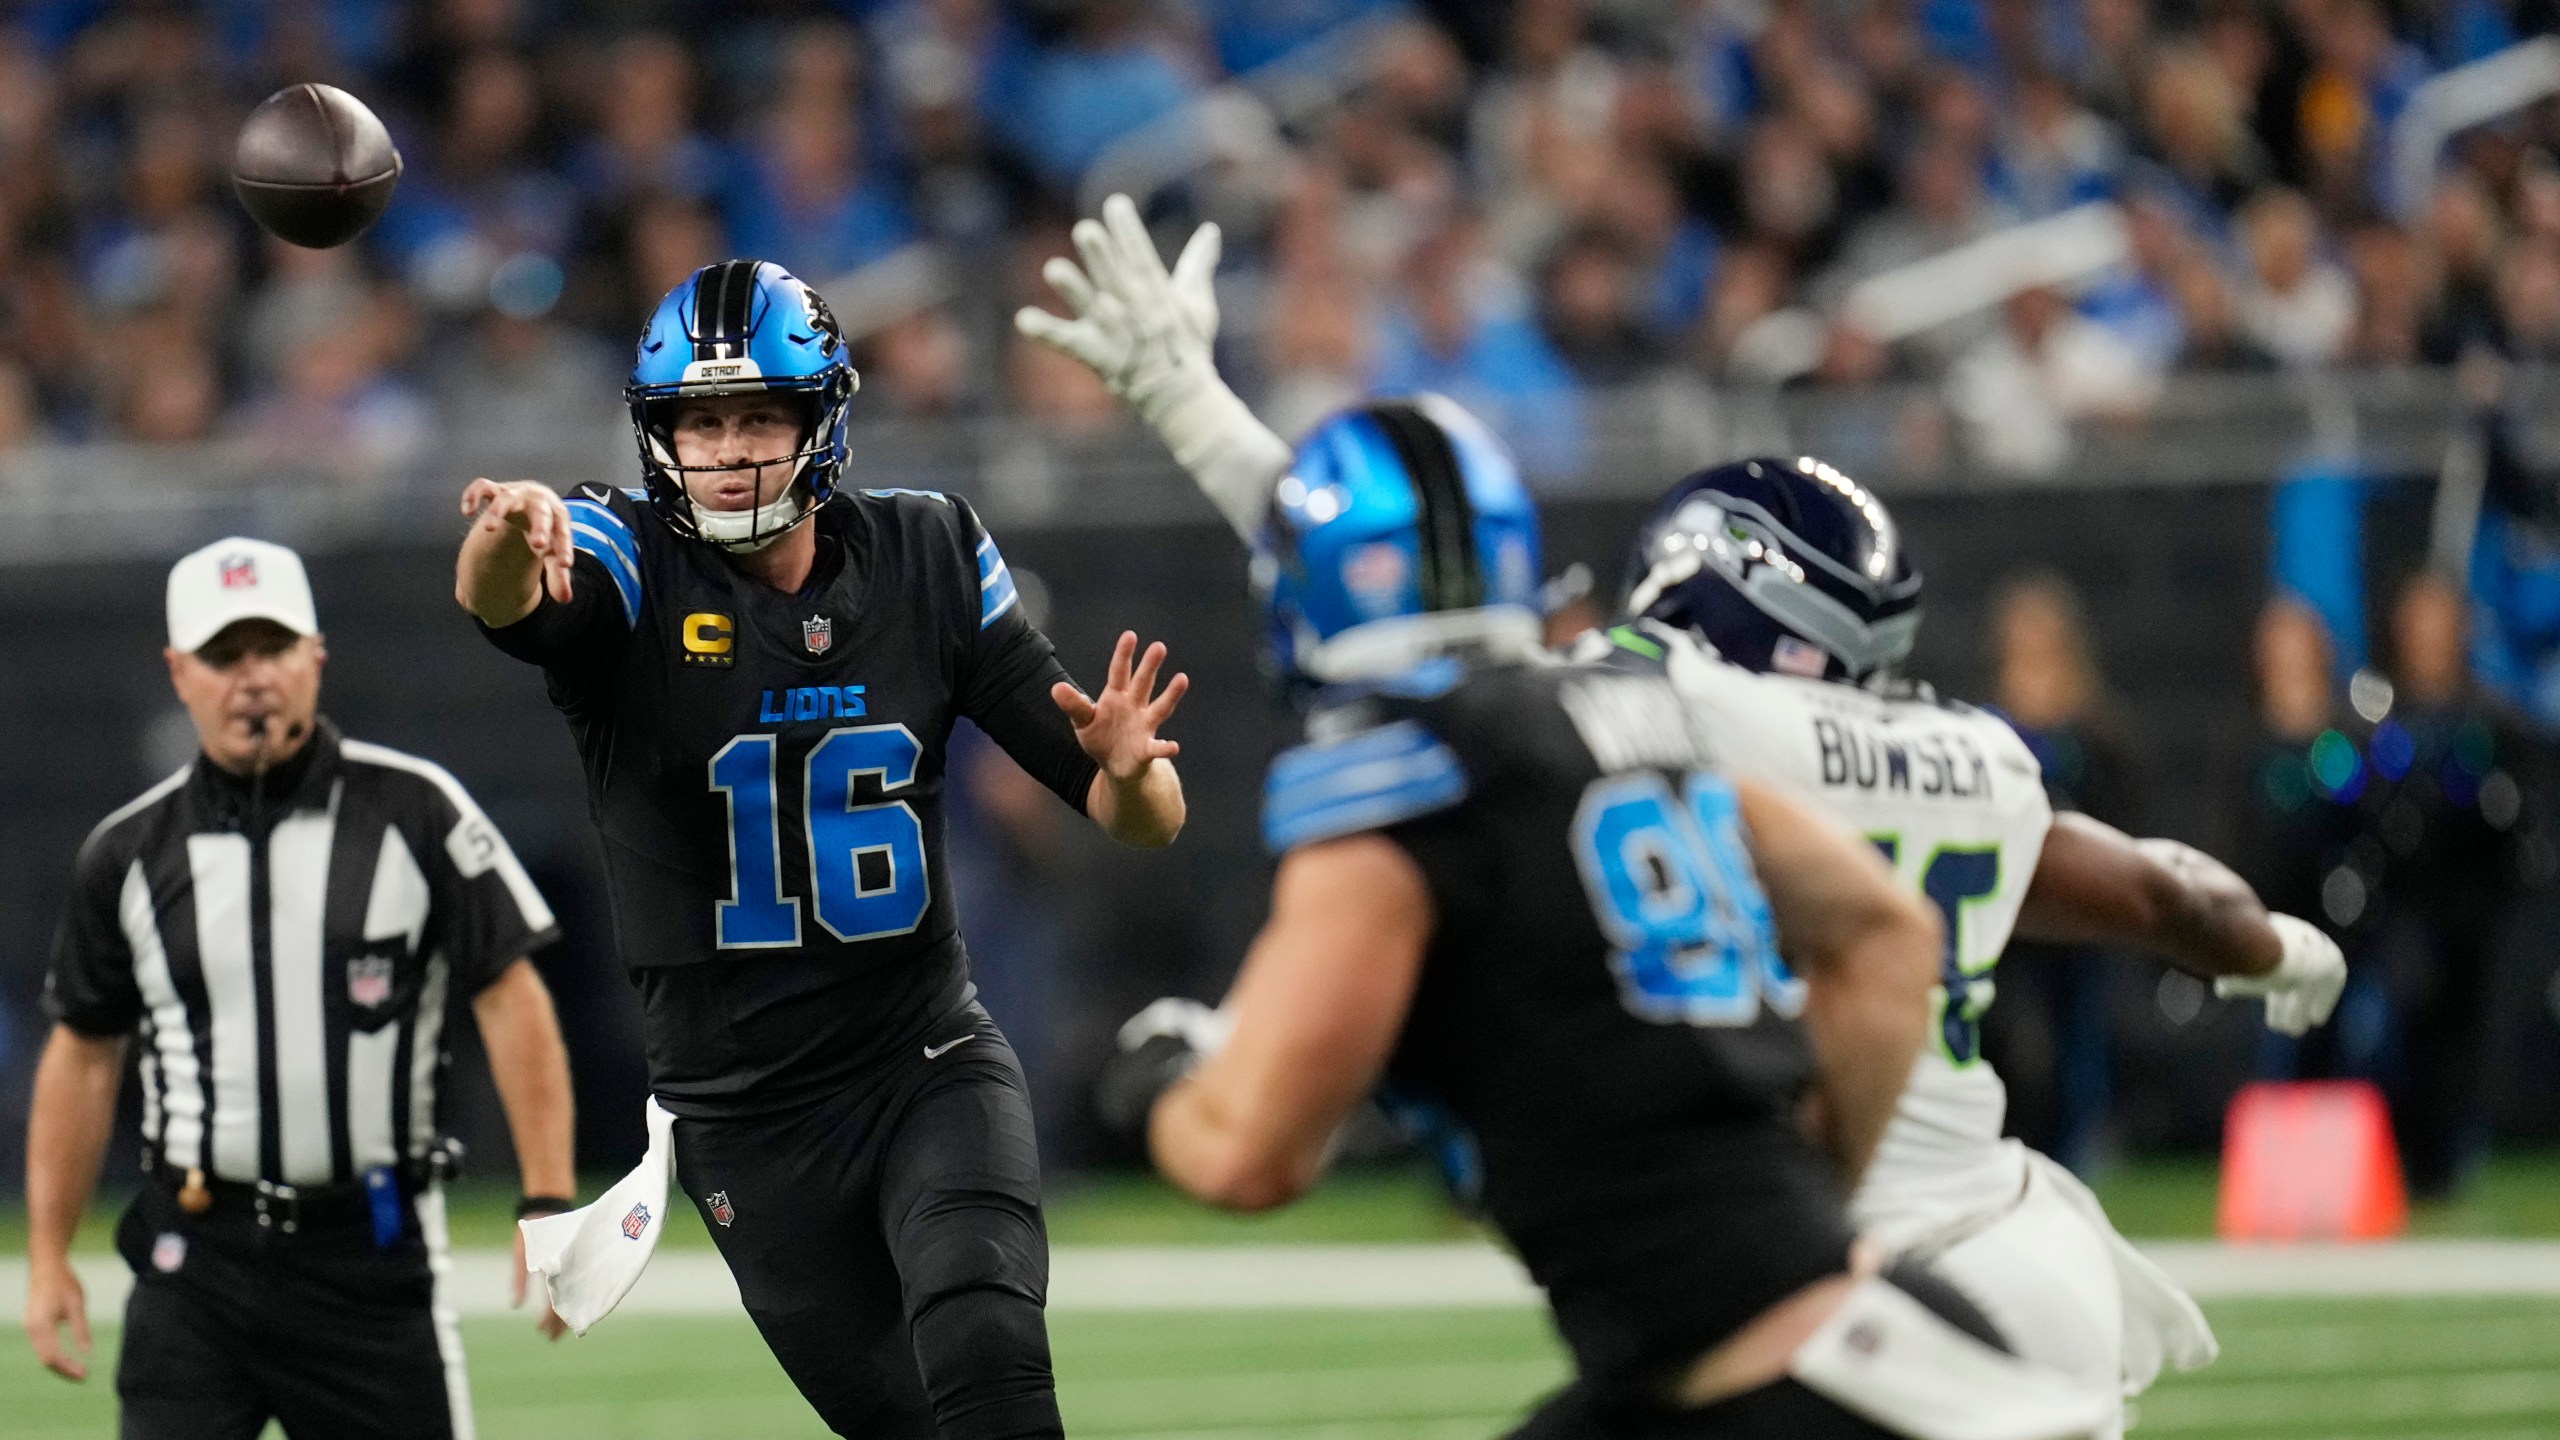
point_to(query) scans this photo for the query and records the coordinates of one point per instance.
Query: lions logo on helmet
(1781, 565)
(1401, 530)
(742, 327)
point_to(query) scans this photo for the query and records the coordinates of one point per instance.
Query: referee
(284, 924)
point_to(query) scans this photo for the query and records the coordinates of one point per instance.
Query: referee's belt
(283, 1209)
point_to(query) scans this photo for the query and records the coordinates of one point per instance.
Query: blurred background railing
(119, 499)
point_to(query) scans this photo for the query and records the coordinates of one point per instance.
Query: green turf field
(2516, 1196)
(2291, 1370)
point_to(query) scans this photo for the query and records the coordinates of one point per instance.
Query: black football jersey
(1602, 1005)
(766, 771)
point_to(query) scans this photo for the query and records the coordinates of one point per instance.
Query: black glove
(1160, 1045)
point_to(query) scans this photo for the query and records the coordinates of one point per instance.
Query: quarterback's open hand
(1118, 727)
(536, 512)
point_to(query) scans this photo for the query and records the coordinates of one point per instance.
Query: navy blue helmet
(1781, 565)
(741, 327)
(1393, 511)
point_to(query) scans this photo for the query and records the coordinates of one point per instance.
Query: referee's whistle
(193, 1197)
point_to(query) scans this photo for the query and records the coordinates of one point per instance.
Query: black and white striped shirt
(286, 949)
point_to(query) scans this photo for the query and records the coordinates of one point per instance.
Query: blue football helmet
(1781, 565)
(741, 327)
(1396, 510)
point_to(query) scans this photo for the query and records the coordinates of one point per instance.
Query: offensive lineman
(1516, 888)
(2018, 1233)
(761, 671)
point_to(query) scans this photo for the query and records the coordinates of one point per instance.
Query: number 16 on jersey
(866, 862)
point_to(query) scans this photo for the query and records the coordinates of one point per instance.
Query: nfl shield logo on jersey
(168, 1252)
(718, 1200)
(636, 1222)
(818, 632)
(369, 981)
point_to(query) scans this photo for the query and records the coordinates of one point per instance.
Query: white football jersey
(1956, 802)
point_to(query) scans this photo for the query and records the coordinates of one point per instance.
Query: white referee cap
(233, 580)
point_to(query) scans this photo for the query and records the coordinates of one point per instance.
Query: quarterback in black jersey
(761, 672)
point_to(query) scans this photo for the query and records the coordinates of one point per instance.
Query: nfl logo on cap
(237, 579)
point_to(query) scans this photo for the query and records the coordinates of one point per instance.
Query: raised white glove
(1147, 333)
(2304, 986)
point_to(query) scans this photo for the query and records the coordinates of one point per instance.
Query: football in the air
(313, 166)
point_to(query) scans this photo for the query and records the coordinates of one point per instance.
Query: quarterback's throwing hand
(535, 511)
(1118, 727)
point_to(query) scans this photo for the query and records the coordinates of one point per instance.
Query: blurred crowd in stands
(1512, 202)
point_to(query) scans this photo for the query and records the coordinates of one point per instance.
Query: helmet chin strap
(748, 531)
(744, 532)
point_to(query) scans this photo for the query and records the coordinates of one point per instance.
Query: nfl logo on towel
(818, 632)
(239, 572)
(369, 981)
(636, 1221)
(718, 1200)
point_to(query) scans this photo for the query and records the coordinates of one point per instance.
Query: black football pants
(229, 1327)
(889, 1245)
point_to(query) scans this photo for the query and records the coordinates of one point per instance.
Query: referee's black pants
(889, 1244)
(231, 1325)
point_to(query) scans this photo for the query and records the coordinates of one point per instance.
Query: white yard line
(1108, 1278)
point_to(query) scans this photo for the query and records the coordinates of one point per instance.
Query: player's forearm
(497, 577)
(1867, 1014)
(1144, 812)
(529, 1064)
(1202, 1142)
(67, 1127)
(2095, 885)
(1230, 454)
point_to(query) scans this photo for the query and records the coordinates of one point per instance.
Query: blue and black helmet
(1395, 510)
(1781, 565)
(741, 327)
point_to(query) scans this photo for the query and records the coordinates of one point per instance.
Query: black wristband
(1132, 1081)
(532, 1205)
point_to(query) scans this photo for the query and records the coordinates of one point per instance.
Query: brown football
(314, 166)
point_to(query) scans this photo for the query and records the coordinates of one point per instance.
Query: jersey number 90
(852, 899)
(1671, 884)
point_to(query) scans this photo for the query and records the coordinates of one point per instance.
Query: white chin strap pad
(749, 529)
(1885, 1356)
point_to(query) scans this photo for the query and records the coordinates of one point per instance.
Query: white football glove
(1204, 1028)
(1147, 332)
(2304, 986)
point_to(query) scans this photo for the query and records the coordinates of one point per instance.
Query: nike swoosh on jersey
(936, 1052)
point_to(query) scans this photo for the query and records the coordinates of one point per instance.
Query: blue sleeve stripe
(996, 592)
(609, 527)
(1321, 792)
(626, 581)
(993, 603)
